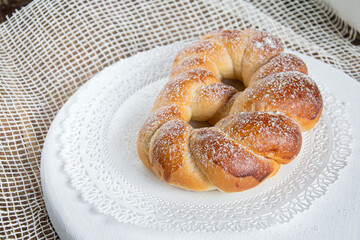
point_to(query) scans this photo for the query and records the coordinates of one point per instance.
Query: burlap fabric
(51, 47)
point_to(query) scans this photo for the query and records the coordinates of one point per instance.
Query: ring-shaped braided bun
(255, 130)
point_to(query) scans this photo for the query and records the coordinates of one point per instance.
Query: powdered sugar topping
(235, 144)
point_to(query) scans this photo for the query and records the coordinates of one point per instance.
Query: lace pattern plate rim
(334, 114)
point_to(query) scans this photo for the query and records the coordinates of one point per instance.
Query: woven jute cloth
(51, 47)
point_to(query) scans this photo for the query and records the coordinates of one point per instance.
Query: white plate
(93, 138)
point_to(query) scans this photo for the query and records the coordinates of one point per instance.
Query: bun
(254, 132)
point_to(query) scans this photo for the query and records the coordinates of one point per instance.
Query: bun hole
(200, 124)
(238, 85)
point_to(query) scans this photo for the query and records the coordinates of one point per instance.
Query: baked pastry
(255, 130)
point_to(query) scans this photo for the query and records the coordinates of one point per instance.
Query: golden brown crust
(208, 99)
(153, 122)
(235, 42)
(291, 93)
(180, 90)
(169, 142)
(209, 50)
(224, 110)
(270, 135)
(260, 49)
(283, 62)
(170, 158)
(257, 129)
(194, 63)
(242, 169)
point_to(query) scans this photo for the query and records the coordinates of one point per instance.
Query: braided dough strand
(255, 130)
